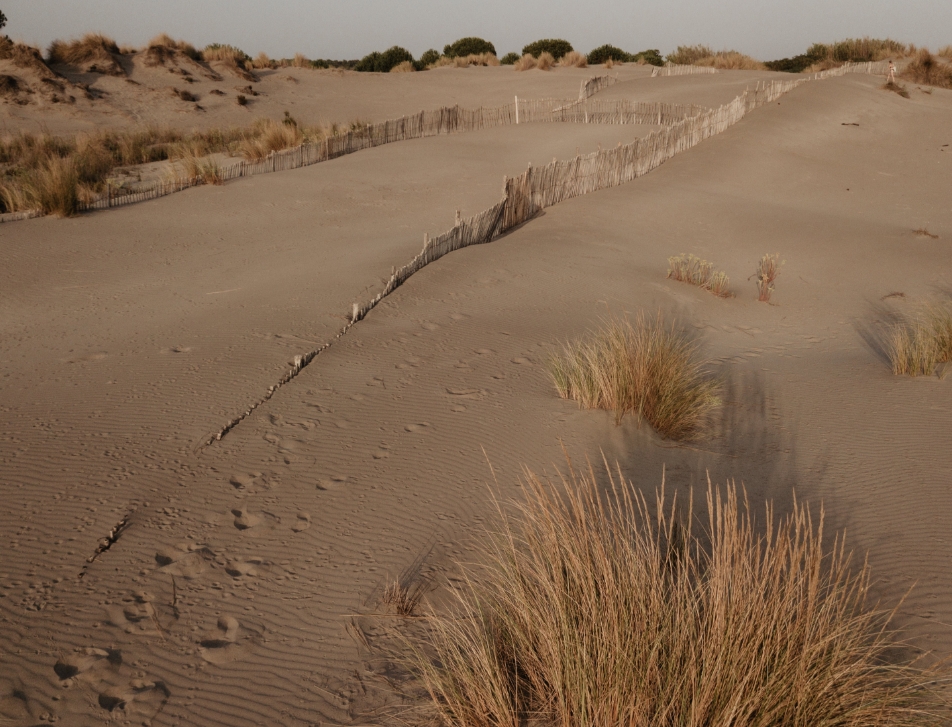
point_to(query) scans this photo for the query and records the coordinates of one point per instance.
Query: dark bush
(382, 62)
(242, 100)
(468, 47)
(556, 46)
(797, 64)
(509, 59)
(607, 52)
(651, 56)
(428, 58)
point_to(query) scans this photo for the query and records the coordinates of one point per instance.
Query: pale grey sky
(765, 29)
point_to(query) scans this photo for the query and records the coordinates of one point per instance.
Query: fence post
(517, 110)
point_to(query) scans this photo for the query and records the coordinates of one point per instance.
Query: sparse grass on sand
(925, 69)
(918, 344)
(404, 598)
(694, 270)
(767, 271)
(573, 59)
(896, 88)
(526, 63)
(702, 55)
(648, 368)
(90, 47)
(594, 608)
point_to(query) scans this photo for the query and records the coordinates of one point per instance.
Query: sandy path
(372, 457)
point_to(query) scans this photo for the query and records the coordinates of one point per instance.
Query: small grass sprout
(694, 270)
(767, 271)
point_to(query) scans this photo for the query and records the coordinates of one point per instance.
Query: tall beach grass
(596, 608)
(648, 368)
(695, 271)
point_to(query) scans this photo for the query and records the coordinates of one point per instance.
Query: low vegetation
(945, 52)
(482, 59)
(383, 62)
(470, 46)
(94, 52)
(823, 56)
(58, 174)
(593, 606)
(702, 55)
(918, 344)
(555, 47)
(573, 59)
(694, 270)
(925, 69)
(767, 271)
(891, 85)
(510, 59)
(606, 53)
(647, 368)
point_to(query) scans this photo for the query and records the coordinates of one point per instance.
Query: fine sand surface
(243, 588)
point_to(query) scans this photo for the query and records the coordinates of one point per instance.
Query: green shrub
(427, 59)
(383, 62)
(555, 46)
(509, 59)
(797, 64)
(608, 52)
(652, 57)
(470, 46)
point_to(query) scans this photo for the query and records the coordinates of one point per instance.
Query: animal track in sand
(187, 560)
(302, 522)
(223, 644)
(332, 482)
(147, 697)
(245, 520)
(416, 427)
(249, 567)
(89, 659)
(136, 614)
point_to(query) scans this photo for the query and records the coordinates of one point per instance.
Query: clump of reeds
(545, 61)
(945, 52)
(925, 69)
(574, 59)
(526, 63)
(262, 61)
(269, 136)
(918, 344)
(694, 270)
(859, 50)
(702, 55)
(647, 368)
(403, 597)
(92, 48)
(164, 41)
(196, 166)
(404, 67)
(767, 271)
(595, 607)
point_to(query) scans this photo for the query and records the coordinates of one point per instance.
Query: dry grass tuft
(702, 55)
(693, 270)
(94, 51)
(767, 271)
(647, 368)
(945, 52)
(262, 61)
(301, 61)
(195, 166)
(610, 63)
(526, 63)
(594, 607)
(164, 41)
(473, 59)
(896, 88)
(545, 61)
(53, 187)
(574, 59)
(269, 136)
(919, 344)
(404, 598)
(926, 69)
(404, 67)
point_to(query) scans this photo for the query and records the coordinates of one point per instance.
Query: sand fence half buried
(535, 189)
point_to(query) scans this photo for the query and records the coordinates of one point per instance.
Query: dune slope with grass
(149, 578)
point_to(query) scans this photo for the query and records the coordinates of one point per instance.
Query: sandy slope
(129, 335)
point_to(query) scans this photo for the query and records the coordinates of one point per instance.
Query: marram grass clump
(648, 368)
(919, 344)
(594, 608)
(694, 270)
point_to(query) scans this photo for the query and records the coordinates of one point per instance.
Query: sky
(348, 29)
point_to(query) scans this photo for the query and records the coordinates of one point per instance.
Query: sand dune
(230, 594)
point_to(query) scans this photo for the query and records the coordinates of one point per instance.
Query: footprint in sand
(186, 560)
(248, 568)
(135, 614)
(332, 482)
(89, 659)
(484, 351)
(139, 699)
(222, 645)
(302, 522)
(416, 427)
(245, 520)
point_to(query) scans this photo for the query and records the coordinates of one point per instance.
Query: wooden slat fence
(594, 85)
(540, 187)
(673, 70)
